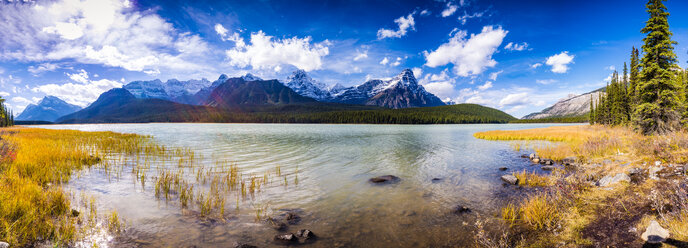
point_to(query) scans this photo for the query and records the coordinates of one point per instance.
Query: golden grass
(532, 179)
(537, 212)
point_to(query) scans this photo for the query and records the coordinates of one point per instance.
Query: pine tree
(659, 102)
(633, 78)
(592, 112)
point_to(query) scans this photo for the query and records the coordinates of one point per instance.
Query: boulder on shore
(609, 180)
(385, 179)
(511, 179)
(655, 233)
(4, 244)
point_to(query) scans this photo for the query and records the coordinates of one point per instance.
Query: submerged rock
(511, 179)
(461, 210)
(385, 179)
(306, 234)
(286, 238)
(609, 180)
(503, 168)
(655, 233)
(245, 246)
(437, 180)
(293, 218)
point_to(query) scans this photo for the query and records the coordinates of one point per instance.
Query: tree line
(6, 116)
(652, 96)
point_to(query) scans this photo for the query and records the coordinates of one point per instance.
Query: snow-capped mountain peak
(303, 84)
(249, 77)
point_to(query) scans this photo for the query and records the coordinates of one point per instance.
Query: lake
(321, 173)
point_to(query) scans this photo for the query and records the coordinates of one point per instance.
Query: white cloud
(464, 18)
(80, 94)
(417, 72)
(397, 62)
(384, 61)
(516, 46)
(4, 94)
(559, 62)
(222, 31)
(425, 12)
(38, 69)
(441, 89)
(405, 23)
(21, 100)
(536, 65)
(470, 56)
(493, 76)
(611, 68)
(514, 99)
(104, 32)
(361, 55)
(545, 81)
(485, 86)
(449, 10)
(266, 52)
(441, 84)
(81, 76)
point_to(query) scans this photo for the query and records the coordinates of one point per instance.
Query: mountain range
(571, 106)
(299, 98)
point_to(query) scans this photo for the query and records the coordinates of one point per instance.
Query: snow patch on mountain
(302, 83)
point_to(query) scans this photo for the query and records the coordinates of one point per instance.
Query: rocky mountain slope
(48, 109)
(237, 91)
(575, 105)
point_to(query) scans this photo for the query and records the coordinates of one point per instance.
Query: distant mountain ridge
(237, 91)
(576, 105)
(50, 108)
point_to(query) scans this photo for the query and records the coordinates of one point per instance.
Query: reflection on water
(325, 171)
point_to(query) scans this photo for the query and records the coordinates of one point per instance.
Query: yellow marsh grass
(536, 212)
(532, 179)
(33, 204)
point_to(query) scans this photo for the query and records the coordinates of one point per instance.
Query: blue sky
(517, 56)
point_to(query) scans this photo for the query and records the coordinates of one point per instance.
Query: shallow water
(327, 168)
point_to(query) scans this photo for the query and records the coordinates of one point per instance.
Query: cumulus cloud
(222, 31)
(397, 62)
(449, 10)
(516, 46)
(384, 61)
(4, 94)
(514, 99)
(440, 84)
(266, 52)
(107, 32)
(485, 86)
(404, 23)
(536, 65)
(425, 12)
(559, 62)
(469, 55)
(417, 72)
(81, 92)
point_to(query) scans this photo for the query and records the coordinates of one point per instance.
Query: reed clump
(532, 179)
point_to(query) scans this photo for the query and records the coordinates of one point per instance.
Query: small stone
(437, 180)
(4, 244)
(536, 160)
(568, 160)
(532, 156)
(306, 234)
(461, 210)
(525, 156)
(547, 167)
(286, 238)
(503, 168)
(384, 179)
(655, 233)
(511, 179)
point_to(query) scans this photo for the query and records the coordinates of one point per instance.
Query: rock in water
(536, 160)
(655, 233)
(306, 234)
(510, 179)
(286, 238)
(461, 210)
(503, 168)
(609, 180)
(385, 179)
